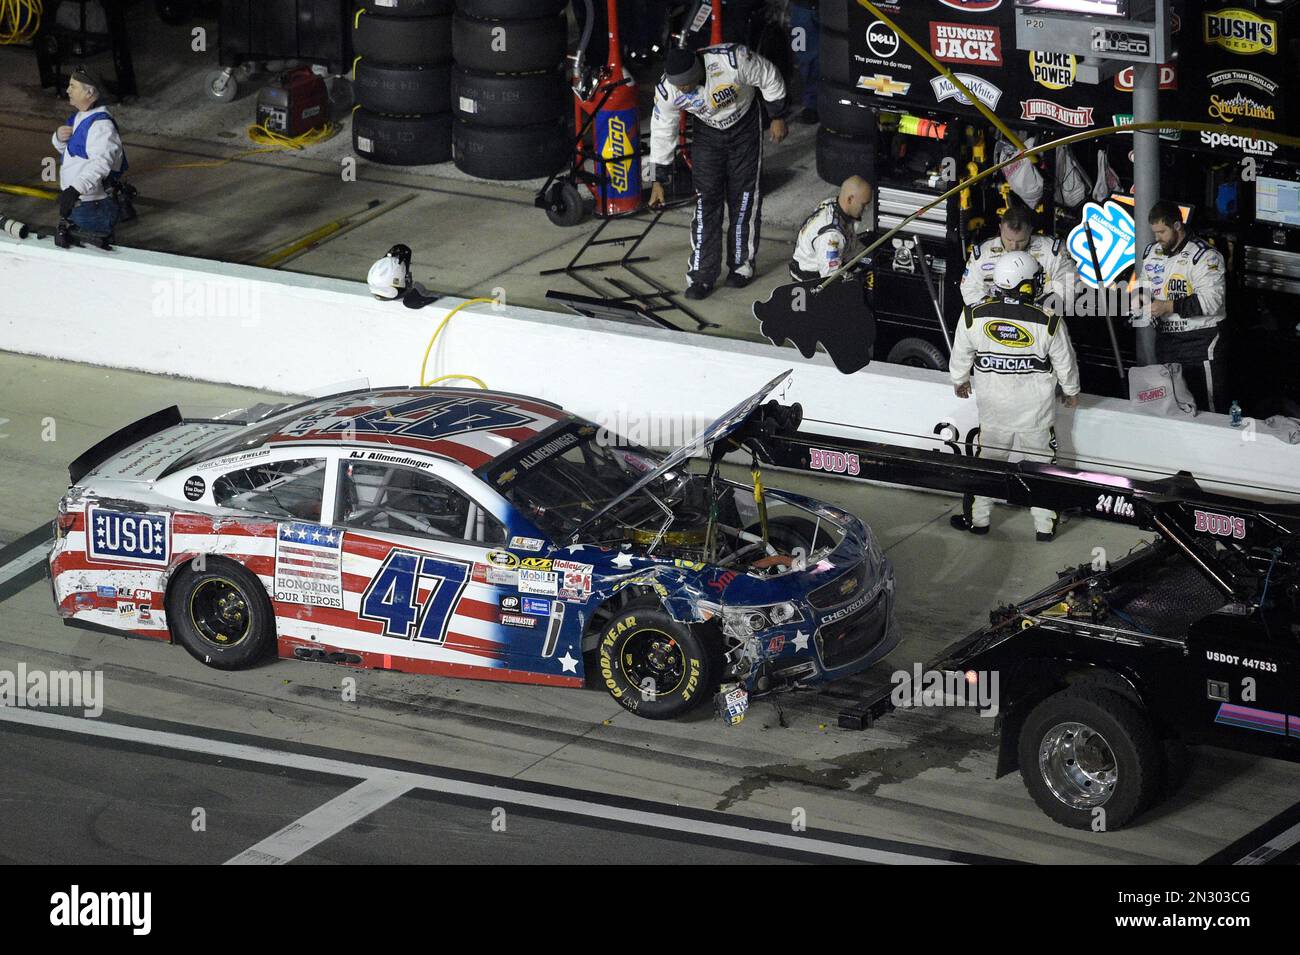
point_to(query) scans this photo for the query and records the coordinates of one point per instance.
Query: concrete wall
(236, 324)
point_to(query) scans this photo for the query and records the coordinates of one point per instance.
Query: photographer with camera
(93, 159)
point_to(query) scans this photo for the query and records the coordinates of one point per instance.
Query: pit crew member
(1019, 353)
(828, 238)
(93, 158)
(1015, 234)
(719, 87)
(1187, 284)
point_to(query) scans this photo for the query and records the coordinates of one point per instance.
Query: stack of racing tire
(846, 138)
(510, 95)
(401, 79)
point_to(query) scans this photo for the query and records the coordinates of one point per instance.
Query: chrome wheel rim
(1078, 765)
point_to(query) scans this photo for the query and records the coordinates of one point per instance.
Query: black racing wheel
(652, 664)
(221, 614)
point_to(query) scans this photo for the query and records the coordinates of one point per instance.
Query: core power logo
(76, 908)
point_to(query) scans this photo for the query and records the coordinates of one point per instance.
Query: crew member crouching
(828, 238)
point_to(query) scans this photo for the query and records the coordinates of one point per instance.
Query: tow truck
(1194, 637)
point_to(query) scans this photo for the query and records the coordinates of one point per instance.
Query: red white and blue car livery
(472, 534)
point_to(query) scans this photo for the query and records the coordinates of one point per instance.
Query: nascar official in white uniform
(719, 86)
(1015, 234)
(828, 238)
(1185, 277)
(1013, 354)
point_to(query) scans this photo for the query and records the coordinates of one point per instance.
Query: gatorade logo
(1241, 31)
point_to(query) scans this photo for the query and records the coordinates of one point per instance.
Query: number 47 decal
(392, 598)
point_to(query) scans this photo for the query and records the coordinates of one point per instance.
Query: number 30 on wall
(392, 598)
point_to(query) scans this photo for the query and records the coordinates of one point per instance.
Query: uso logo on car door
(130, 538)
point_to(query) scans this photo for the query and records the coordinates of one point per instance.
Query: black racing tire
(834, 15)
(839, 157)
(509, 46)
(845, 109)
(422, 41)
(918, 353)
(510, 153)
(401, 140)
(1065, 768)
(386, 88)
(221, 614)
(509, 99)
(511, 9)
(834, 59)
(408, 8)
(642, 650)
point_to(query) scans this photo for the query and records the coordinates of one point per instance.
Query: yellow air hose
(438, 331)
(19, 20)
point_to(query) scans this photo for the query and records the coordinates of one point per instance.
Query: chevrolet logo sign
(883, 85)
(848, 586)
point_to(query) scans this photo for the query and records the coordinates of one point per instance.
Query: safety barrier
(213, 321)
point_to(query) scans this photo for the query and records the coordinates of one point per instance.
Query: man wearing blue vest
(93, 158)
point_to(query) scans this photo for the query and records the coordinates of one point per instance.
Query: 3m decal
(413, 595)
(128, 538)
(308, 565)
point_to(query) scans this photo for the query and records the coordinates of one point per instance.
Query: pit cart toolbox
(311, 30)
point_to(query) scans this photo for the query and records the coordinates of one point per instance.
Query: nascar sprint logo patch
(1010, 334)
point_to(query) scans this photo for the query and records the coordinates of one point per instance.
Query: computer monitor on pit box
(1277, 202)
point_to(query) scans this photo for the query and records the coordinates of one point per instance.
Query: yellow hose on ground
(19, 20)
(438, 331)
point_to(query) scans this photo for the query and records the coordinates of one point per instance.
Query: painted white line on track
(430, 782)
(1279, 844)
(24, 562)
(325, 821)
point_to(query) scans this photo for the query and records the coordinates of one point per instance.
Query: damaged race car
(472, 534)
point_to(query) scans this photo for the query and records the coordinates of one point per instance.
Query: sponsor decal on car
(548, 450)
(536, 606)
(526, 543)
(493, 575)
(985, 92)
(510, 603)
(1239, 31)
(518, 620)
(309, 565)
(127, 537)
(194, 487)
(1075, 118)
(545, 583)
(502, 558)
(965, 43)
(576, 577)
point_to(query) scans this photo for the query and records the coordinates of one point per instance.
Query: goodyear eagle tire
(386, 88)
(409, 8)
(845, 109)
(839, 157)
(410, 40)
(1087, 749)
(221, 615)
(510, 9)
(509, 46)
(508, 99)
(508, 153)
(834, 59)
(654, 666)
(401, 140)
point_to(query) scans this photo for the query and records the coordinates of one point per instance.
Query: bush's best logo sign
(966, 43)
(1241, 31)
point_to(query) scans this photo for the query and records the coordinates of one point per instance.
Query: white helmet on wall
(391, 276)
(1018, 274)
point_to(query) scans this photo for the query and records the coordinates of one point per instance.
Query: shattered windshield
(568, 478)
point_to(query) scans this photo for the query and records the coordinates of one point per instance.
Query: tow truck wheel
(653, 665)
(1089, 758)
(221, 615)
